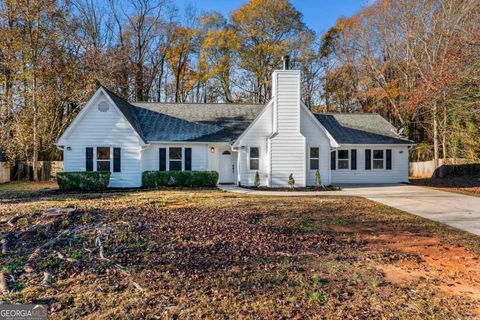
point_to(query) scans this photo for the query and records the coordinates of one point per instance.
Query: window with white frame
(175, 159)
(342, 159)
(254, 158)
(103, 158)
(378, 159)
(314, 158)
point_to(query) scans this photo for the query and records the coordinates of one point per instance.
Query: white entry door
(227, 168)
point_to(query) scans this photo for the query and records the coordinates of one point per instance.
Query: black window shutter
(389, 159)
(89, 159)
(117, 160)
(188, 159)
(333, 160)
(368, 159)
(353, 165)
(163, 159)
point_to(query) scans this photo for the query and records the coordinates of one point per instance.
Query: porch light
(212, 149)
(69, 148)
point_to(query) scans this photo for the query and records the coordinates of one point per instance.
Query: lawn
(210, 254)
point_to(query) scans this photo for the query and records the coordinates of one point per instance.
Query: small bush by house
(154, 179)
(83, 181)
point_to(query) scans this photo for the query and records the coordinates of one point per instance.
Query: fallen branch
(4, 242)
(61, 256)
(98, 243)
(11, 222)
(47, 278)
(57, 212)
(40, 249)
(135, 284)
(3, 284)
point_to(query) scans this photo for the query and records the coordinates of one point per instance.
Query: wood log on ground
(3, 284)
(36, 253)
(11, 222)
(4, 242)
(61, 256)
(98, 243)
(57, 212)
(47, 278)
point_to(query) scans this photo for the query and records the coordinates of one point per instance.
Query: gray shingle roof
(161, 127)
(126, 109)
(360, 128)
(220, 122)
(226, 121)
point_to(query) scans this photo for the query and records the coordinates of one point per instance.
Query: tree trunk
(160, 76)
(435, 136)
(139, 85)
(444, 134)
(35, 125)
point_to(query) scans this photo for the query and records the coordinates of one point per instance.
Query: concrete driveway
(456, 210)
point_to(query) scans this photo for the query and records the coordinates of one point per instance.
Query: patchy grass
(210, 254)
(465, 185)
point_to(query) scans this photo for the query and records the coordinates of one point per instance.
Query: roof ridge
(113, 93)
(347, 113)
(200, 103)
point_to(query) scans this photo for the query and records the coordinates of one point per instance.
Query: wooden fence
(47, 170)
(447, 167)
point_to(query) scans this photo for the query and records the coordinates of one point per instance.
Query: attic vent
(103, 106)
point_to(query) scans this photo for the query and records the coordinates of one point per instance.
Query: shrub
(154, 179)
(291, 181)
(83, 181)
(318, 179)
(256, 181)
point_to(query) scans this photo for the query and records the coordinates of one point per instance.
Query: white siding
(105, 129)
(399, 172)
(288, 157)
(315, 137)
(151, 156)
(286, 96)
(288, 147)
(256, 136)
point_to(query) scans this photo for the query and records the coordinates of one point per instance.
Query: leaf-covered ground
(209, 254)
(465, 185)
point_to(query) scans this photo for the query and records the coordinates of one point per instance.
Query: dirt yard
(210, 254)
(465, 185)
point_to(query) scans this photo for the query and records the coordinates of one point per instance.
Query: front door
(227, 168)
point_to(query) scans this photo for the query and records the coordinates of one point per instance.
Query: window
(103, 158)
(103, 106)
(175, 159)
(378, 159)
(254, 158)
(314, 158)
(342, 162)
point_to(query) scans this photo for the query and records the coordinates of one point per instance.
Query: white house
(280, 138)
